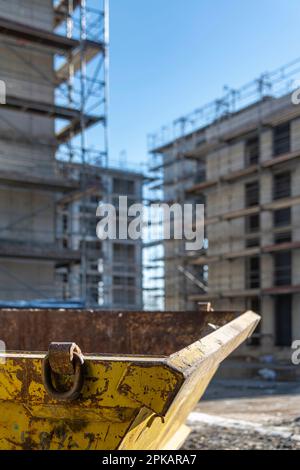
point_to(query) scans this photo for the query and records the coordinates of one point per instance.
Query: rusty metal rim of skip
(63, 359)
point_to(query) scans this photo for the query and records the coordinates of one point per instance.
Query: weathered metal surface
(132, 402)
(198, 364)
(61, 356)
(115, 332)
(113, 393)
(62, 361)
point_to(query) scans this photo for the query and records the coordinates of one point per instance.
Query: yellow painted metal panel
(126, 402)
(113, 394)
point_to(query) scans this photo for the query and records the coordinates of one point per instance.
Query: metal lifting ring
(76, 388)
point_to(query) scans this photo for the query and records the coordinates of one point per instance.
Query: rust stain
(158, 333)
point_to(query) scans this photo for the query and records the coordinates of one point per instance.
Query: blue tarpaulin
(41, 304)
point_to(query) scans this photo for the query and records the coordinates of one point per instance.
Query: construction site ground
(245, 415)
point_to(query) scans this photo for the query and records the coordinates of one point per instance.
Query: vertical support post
(70, 84)
(106, 78)
(83, 224)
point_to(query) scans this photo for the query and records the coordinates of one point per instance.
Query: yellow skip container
(140, 376)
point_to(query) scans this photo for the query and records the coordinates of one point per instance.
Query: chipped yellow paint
(11, 380)
(157, 432)
(114, 391)
(126, 402)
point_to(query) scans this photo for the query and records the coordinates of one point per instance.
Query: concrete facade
(252, 217)
(114, 267)
(45, 212)
(18, 131)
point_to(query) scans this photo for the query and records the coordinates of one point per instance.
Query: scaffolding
(74, 96)
(177, 161)
(154, 274)
(274, 84)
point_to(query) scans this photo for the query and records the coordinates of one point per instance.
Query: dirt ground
(247, 415)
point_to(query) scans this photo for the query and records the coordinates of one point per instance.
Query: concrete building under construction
(240, 156)
(54, 68)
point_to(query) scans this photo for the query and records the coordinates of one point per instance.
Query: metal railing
(270, 84)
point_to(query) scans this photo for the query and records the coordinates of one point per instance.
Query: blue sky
(168, 57)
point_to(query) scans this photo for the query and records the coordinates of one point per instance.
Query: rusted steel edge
(212, 349)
